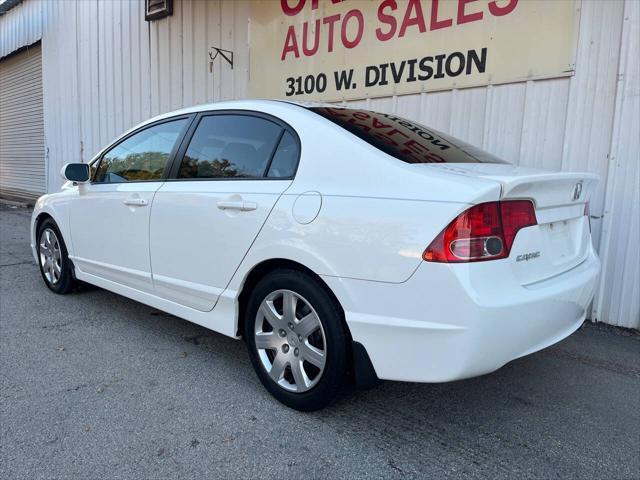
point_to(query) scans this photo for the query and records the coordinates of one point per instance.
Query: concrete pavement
(93, 385)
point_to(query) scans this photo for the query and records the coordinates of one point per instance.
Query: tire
(53, 259)
(302, 365)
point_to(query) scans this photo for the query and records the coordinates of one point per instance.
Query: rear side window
(142, 156)
(285, 159)
(403, 139)
(230, 146)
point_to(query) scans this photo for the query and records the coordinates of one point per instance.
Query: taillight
(587, 213)
(483, 232)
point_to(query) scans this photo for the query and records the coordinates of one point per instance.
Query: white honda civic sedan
(344, 245)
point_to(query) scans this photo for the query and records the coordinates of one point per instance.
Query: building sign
(345, 49)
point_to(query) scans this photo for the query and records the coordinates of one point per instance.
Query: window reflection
(285, 159)
(404, 140)
(230, 146)
(142, 156)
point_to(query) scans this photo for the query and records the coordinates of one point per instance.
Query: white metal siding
(618, 301)
(21, 26)
(22, 165)
(106, 69)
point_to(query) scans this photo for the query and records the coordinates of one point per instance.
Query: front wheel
(55, 266)
(297, 340)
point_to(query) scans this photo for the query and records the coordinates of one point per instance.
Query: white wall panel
(468, 111)
(618, 301)
(504, 120)
(60, 89)
(105, 69)
(21, 26)
(437, 110)
(87, 68)
(409, 106)
(592, 91)
(545, 110)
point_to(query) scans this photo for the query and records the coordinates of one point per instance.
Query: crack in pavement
(626, 370)
(18, 263)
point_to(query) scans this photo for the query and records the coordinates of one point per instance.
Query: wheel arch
(35, 226)
(39, 220)
(364, 375)
(264, 268)
(54, 206)
(42, 216)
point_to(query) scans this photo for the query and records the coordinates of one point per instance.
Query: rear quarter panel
(377, 213)
(362, 238)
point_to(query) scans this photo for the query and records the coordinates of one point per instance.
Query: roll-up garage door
(22, 159)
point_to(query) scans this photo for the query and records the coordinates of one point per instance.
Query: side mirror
(75, 172)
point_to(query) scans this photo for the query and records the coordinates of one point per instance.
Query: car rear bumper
(449, 322)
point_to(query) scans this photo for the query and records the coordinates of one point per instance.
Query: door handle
(136, 202)
(237, 205)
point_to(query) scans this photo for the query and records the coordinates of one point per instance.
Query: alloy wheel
(50, 256)
(290, 341)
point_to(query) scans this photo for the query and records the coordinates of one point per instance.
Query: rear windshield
(403, 139)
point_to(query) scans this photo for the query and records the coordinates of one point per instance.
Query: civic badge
(577, 191)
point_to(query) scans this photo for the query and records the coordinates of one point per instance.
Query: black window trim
(189, 117)
(267, 167)
(186, 140)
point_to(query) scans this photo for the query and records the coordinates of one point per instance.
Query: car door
(109, 221)
(229, 173)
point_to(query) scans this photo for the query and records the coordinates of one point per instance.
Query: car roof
(235, 104)
(223, 105)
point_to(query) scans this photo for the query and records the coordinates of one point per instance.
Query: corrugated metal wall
(106, 69)
(618, 301)
(22, 26)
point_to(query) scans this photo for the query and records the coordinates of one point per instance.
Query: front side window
(142, 156)
(407, 141)
(230, 146)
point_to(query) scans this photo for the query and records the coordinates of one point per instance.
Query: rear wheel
(297, 340)
(55, 266)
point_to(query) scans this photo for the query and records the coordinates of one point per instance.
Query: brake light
(483, 232)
